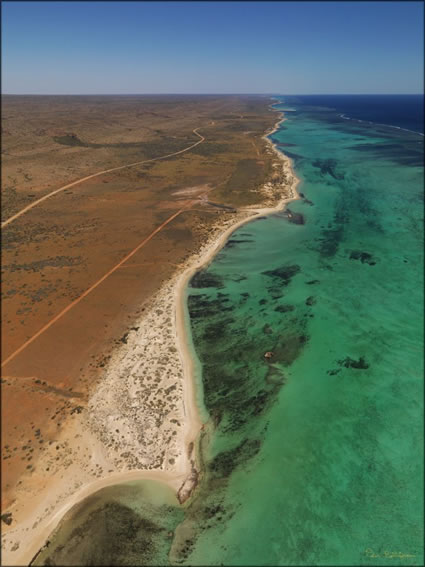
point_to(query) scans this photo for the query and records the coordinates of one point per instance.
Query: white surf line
(380, 124)
(35, 203)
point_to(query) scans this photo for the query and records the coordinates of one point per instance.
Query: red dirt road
(56, 191)
(96, 284)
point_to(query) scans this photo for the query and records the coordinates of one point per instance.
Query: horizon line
(212, 94)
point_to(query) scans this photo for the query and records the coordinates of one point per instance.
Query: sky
(212, 47)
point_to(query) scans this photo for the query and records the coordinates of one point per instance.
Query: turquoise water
(314, 455)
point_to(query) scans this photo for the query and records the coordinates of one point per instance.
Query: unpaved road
(38, 201)
(121, 262)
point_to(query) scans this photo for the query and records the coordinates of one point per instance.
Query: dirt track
(97, 283)
(79, 181)
(119, 264)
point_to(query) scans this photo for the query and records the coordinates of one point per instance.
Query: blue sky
(212, 47)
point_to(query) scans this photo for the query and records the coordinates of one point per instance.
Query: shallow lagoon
(125, 524)
(325, 438)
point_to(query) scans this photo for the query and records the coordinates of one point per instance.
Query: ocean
(397, 111)
(314, 453)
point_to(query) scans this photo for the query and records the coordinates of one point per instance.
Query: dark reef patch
(112, 534)
(364, 257)
(295, 218)
(329, 243)
(333, 371)
(234, 398)
(359, 364)
(293, 156)
(305, 200)
(275, 291)
(215, 331)
(200, 307)
(288, 348)
(203, 279)
(284, 308)
(332, 236)
(328, 167)
(234, 241)
(284, 274)
(238, 278)
(225, 463)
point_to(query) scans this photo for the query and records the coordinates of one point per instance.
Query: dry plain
(71, 301)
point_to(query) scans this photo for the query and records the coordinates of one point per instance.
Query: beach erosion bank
(143, 419)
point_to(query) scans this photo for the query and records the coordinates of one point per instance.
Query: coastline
(182, 475)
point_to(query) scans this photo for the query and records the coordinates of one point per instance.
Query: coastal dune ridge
(142, 420)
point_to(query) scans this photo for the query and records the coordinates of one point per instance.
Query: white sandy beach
(142, 420)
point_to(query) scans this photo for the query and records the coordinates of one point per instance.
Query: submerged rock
(226, 462)
(364, 257)
(328, 166)
(296, 218)
(284, 308)
(201, 306)
(288, 347)
(233, 241)
(203, 279)
(348, 362)
(333, 372)
(304, 198)
(284, 273)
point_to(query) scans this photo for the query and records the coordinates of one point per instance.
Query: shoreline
(182, 478)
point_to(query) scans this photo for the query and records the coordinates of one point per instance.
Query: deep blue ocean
(401, 111)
